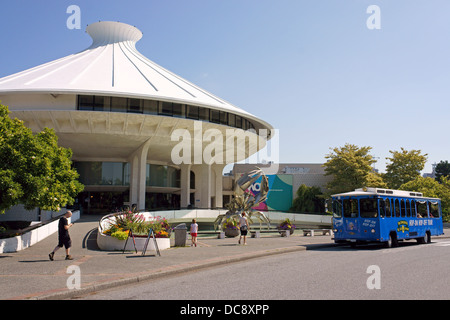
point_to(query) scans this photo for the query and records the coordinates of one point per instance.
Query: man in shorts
(63, 236)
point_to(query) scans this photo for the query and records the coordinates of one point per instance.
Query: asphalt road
(410, 271)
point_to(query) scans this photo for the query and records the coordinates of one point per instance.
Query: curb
(169, 271)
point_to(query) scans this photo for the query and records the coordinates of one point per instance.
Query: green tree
(431, 188)
(308, 199)
(351, 168)
(404, 166)
(34, 170)
(442, 170)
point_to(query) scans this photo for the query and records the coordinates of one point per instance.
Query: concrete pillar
(217, 170)
(185, 184)
(138, 162)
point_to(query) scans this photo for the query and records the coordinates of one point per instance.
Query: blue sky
(311, 68)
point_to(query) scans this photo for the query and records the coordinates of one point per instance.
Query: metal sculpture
(244, 201)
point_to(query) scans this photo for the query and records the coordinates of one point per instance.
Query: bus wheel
(392, 242)
(425, 239)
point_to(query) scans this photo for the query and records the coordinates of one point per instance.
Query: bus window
(350, 208)
(382, 206)
(368, 208)
(337, 208)
(402, 207)
(408, 208)
(397, 207)
(422, 209)
(387, 203)
(433, 209)
(413, 208)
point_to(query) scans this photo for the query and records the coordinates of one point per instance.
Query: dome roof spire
(109, 32)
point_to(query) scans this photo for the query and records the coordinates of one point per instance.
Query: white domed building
(121, 115)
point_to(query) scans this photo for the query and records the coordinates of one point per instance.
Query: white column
(217, 170)
(138, 175)
(185, 184)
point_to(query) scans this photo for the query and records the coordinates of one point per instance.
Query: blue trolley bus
(385, 216)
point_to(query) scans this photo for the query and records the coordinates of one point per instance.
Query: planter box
(231, 233)
(109, 243)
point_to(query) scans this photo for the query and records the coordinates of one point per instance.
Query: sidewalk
(29, 274)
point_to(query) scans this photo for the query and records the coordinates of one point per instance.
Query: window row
(409, 208)
(386, 208)
(118, 174)
(131, 105)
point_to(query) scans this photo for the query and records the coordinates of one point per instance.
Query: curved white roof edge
(113, 66)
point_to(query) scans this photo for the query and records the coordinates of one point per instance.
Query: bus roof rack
(391, 192)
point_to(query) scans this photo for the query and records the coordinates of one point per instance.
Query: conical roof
(113, 66)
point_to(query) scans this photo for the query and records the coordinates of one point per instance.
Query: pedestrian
(243, 227)
(194, 231)
(63, 236)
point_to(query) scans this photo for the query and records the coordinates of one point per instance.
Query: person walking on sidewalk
(63, 236)
(193, 231)
(243, 227)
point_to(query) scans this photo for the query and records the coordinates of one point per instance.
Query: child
(194, 230)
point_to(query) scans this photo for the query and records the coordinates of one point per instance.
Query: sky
(311, 68)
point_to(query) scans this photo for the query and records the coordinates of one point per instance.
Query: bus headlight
(373, 230)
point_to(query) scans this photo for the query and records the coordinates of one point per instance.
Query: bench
(312, 232)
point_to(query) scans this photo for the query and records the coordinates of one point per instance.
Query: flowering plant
(230, 224)
(286, 225)
(135, 221)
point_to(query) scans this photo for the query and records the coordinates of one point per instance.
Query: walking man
(63, 236)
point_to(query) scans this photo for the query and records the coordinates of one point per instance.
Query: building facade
(139, 133)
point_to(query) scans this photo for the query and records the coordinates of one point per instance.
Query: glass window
(350, 208)
(103, 173)
(203, 114)
(337, 208)
(178, 110)
(238, 122)
(86, 103)
(223, 118)
(231, 120)
(397, 207)
(134, 106)
(166, 109)
(408, 208)
(413, 208)
(382, 206)
(215, 116)
(99, 102)
(368, 208)
(192, 112)
(387, 203)
(422, 209)
(118, 104)
(150, 107)
(434, 209)
(402, 208)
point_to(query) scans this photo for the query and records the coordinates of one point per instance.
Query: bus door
(369, 218)
(350, 222)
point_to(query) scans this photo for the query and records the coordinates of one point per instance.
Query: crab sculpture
(244, 201)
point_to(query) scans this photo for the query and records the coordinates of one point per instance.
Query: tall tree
(34, 170)
(404, 166)
(308, 200)
(442, 170)
(431, 188)
(351, 168)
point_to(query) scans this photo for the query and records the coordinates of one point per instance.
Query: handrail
(20, 232)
